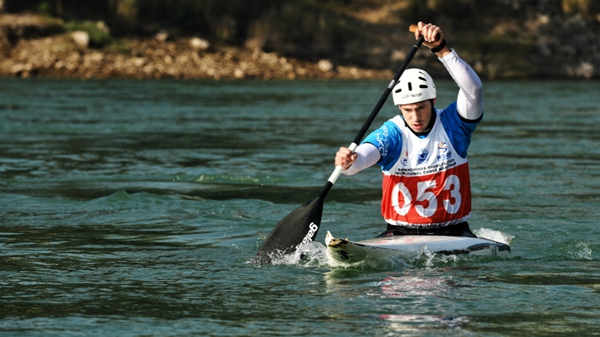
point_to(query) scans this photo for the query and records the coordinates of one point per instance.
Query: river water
(133, 208)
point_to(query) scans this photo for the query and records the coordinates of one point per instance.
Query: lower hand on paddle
(345, 158)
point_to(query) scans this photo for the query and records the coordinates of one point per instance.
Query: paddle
(301, 225)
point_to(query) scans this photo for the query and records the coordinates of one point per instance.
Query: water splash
(430, 259)
(494, 235)
(581, 250)
(312, 254)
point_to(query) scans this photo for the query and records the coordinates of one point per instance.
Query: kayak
(411, 246)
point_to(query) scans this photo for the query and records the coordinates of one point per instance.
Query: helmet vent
(423, 86)
(409, 86)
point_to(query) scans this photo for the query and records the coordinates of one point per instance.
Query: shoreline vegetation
(302, 39)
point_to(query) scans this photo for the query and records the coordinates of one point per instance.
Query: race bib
(434, 199)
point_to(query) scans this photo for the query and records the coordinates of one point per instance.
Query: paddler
(423, 150)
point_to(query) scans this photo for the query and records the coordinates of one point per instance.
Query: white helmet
(415, 85)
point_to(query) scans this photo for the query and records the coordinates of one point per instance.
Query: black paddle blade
(300, 226)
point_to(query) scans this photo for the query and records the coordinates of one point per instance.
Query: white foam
(581, 251)
(494, 235)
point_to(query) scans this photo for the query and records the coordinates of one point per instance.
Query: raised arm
(470, 95)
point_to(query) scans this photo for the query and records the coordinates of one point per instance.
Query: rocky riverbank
(31, 46)
(40, 46)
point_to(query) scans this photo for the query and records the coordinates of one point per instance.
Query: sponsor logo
(443, 147)
(444, 151)
(423, 155)
(404, 158)
(382, 141)
(312, 230)
(412, 95)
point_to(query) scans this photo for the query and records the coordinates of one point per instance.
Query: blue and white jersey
(388, 138)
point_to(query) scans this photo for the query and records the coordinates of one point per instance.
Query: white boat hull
(410, 246)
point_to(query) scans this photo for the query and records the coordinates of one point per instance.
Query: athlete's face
(417, 115)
